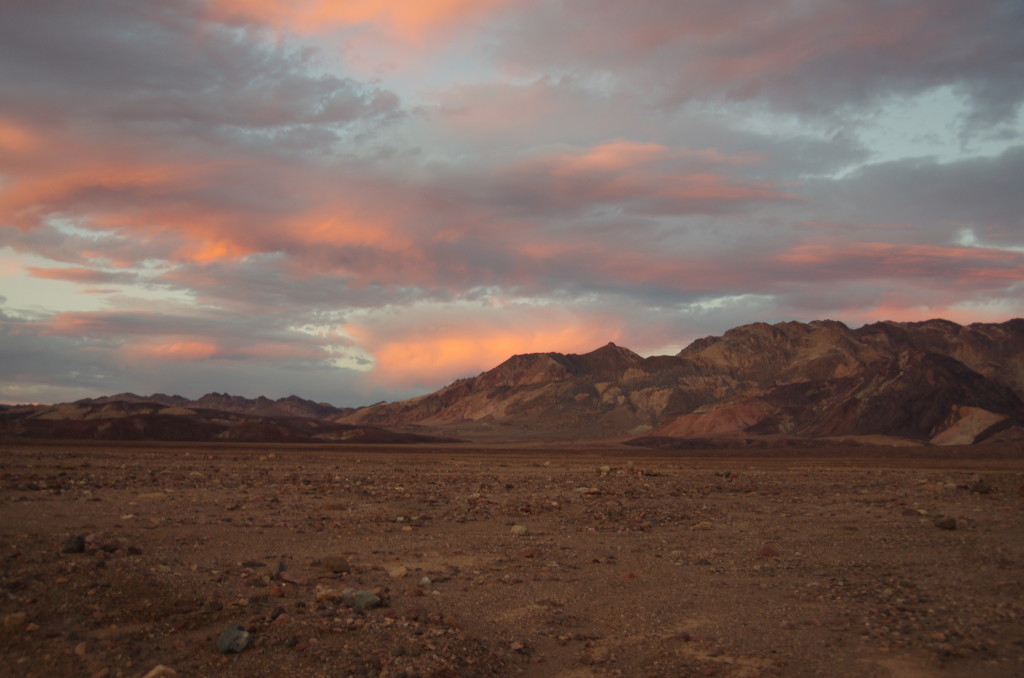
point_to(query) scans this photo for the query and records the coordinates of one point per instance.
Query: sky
(365, 200)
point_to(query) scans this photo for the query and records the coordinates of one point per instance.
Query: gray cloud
(163, 65)
(810, 57)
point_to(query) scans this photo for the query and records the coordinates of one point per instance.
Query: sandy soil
(117, 560)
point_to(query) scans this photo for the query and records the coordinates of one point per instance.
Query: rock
(14, 622)
(336, 564)
(981, 487)
(361, 600)
(596, 655)
(945, 523)
(398, 572)
(293, 578)
(233, 639)
(74, 544)
(519, 530)
(160, 670)
(81, 649)
(326, 593)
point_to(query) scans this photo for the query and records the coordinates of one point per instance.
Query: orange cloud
(467, 350)
(902, 259)
(15, 138)
(905, 311)
(410, 20)
(175, 351)
(652, 177)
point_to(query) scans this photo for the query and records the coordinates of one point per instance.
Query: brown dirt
(662, 564)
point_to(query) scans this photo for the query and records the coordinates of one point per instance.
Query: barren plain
(560, 560)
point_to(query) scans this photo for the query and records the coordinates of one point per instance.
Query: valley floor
(573, 562)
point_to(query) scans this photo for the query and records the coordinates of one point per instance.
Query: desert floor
(572, 561)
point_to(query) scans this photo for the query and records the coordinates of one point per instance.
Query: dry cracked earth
(133, 560)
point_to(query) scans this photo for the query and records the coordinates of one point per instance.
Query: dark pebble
(74, 544)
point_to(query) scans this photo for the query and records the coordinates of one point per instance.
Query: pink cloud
(874, 259)
(643, 177)
(432, 347)
(409, 21)
(173, 351)
(78, 274)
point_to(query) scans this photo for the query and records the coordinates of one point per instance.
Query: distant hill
(292, 406)
(931, 382)
(213, 418)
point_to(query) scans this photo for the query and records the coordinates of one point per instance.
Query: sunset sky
(361, 200)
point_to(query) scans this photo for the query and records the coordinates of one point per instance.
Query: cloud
(973, 193)
(806, 56)
(412, 21)
(81, 275)
(183, 72)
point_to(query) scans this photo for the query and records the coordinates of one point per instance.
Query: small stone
(398, 572)
(74, 544)
(326, 593)
(233, 639)
(336, 564)
(80, 649)
(981, 487)
(362, 600)
(160, 670)
(293, 578)
(945, 523)
(14, 622)
(519, 530)
(596, 655)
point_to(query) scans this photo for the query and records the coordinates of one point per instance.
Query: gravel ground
(117, 561)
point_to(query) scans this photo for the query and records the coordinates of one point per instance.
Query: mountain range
(933, 382)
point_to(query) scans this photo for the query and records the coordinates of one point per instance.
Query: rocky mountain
(932, 381)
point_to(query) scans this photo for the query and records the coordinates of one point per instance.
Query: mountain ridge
(925, 381)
